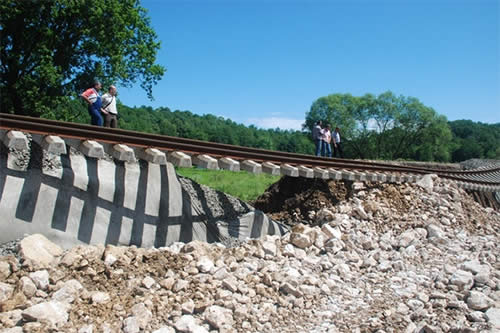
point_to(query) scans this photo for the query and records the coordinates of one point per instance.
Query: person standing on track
(316, 134)
(337, 144)
(109, 108)
(326, 138)
(93, 99)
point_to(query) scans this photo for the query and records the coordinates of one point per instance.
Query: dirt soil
(291, 199)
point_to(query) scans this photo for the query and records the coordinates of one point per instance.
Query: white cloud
(275, 122)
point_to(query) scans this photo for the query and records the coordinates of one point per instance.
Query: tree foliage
(53, 49)
(384, 126)
(475, 140)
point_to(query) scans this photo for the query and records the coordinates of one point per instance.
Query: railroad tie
(180, 159)
(289, 170)
(306, 172)
(227, 163)
(271, 168)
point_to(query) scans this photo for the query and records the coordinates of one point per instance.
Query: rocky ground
(359, 258)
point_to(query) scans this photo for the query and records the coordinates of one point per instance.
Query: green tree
(52, 50)
(475, 140)
(385, 126)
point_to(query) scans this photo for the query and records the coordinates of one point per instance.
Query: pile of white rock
(396, 258)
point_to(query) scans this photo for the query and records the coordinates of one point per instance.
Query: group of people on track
(324, 138)
(102, 109)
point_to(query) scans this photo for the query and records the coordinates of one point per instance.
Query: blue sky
(264, 62)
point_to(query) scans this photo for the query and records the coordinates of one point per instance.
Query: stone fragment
(473, 266)
(167, 283)
(331, 232)
(360, 212)
(434, 231)
(334, 245)
(148, 282)
(180, 285)
(165, 329)
(36, 250)
(476, 316)
(5, 270)
(16, 329)
(142, 314)
(187, 323)
(86, 329)
(493, 317)
(406, 238)
(462, 279)
(68, 292)
(218, 316)
(288, 289)
(6, 291)
(40, 279)
(478, 301)
(53, 312)
(481, 278)
(205, 264)
(27, 286)
(100, 297)
(324, 215)
(270, 248)
(131, 325)
(426, 182)
(188, 307)
(300, 240)
(230, 284)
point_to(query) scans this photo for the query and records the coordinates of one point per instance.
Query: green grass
(243, 185)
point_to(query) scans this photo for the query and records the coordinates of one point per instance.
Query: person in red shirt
(93, 99)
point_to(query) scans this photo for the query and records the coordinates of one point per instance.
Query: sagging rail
(125, 144)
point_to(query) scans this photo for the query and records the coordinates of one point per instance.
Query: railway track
(185, 152)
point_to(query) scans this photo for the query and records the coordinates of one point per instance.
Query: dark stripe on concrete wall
(163, 214)
(64, 194)
(258, 220)
(117, 213)
(186, 234)
(3, 167)
(271, 230)
(91, 202)
(140, 205)
(31, 186)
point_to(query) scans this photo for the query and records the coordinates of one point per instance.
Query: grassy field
(243, 185)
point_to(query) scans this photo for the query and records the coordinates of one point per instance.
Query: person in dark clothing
(316, 134)
(337, 144)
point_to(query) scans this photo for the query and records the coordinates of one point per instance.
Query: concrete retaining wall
(74, 199)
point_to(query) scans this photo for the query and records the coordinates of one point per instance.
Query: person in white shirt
(326, 137)
(337, 145)
(108, 108)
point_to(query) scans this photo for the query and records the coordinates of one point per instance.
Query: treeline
(440, 140)
(475, 140)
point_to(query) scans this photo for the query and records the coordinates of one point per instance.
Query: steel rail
(223, 146)
(93, 132)
(139, 139)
